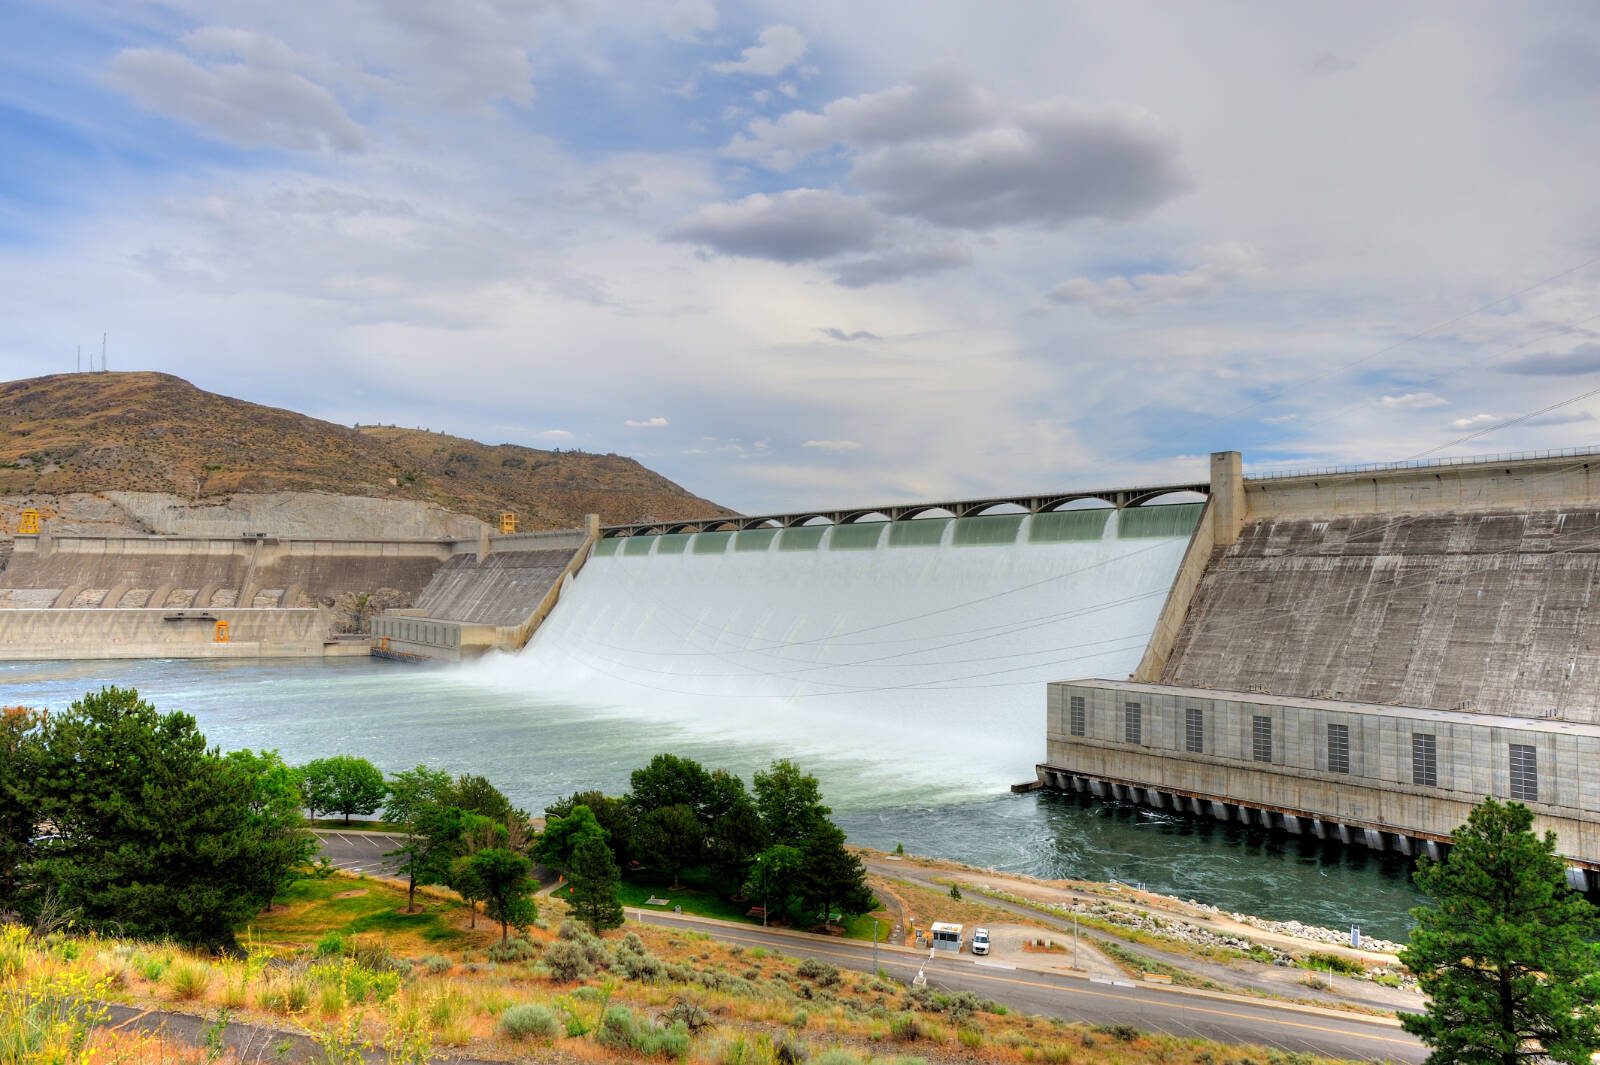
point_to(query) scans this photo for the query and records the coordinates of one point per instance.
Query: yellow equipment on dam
(508, 522)
(28, 522)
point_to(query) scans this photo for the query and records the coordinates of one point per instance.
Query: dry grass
(753, 1002)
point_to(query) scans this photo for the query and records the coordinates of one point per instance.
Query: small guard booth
(947, 936)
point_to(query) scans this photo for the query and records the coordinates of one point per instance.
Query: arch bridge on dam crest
(966, 508)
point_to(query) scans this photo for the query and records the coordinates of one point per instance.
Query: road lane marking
(1355, 1030)
(995, 965)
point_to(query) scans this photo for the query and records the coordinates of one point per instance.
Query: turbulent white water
(921, 647)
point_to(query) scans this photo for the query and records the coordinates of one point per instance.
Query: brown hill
(153, 432)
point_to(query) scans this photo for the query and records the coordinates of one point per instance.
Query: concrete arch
(858, 517)
(997, 506)
(810, 519)
(1166, 497)
(1077, 503)
(931, 510)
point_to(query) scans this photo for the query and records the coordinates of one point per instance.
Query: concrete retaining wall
(1511, 484)
(78, 634)
(1472, 759)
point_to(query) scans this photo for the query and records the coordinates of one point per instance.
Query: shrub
(189, 980)
(820, 971)
(529, 1020)
(787, 1050)
(568, 961)
(906, 1027)
(621, 1030)
(514, 949)
(800, 1018)
(332, 945)
(1122, 1033)
(688, 1014)
(836, 1056)
(1333, 963)
(436, 964)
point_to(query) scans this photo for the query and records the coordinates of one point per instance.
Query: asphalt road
(1148, 1008)
(360, 852)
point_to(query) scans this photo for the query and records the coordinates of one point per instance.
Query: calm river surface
(471, 719)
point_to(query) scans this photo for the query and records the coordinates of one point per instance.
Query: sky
(799, 255)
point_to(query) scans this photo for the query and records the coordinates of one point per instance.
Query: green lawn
(313, 907)
(705, 903)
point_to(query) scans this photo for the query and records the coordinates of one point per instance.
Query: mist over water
(909, 676)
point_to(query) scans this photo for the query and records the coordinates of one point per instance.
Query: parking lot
(360, 852)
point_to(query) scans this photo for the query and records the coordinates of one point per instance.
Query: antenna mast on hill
(103, 352)
(80, 358)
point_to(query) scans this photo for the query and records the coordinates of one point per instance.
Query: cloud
(657, 422)
(1474, 420)
(941, 149)
(1121, 295)
(776, 49)
(242, 88)
(832, 445)
(1051, 164)
(939, 102)
(555, 434)
(795, 226)
(901, 264)
(1583, 359)
(836, 333)
(687, 19)
(1413, 401)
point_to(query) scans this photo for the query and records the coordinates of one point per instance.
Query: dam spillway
(933, 635)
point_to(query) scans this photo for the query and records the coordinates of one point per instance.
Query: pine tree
(503, 877)
(1506, 953)
(596, 883)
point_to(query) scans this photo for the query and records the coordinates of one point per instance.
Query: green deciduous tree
(342, 784)
(614, 815)
(420, 806)
(19, 805)
(596, 882)
(736, 837)
(502, 876)
(1506, 953)
(285, 842)
(671, 839)
(155, 835)
(669, 781)
(562, 835)
(476, 795)
(790, 803)
(773, 877)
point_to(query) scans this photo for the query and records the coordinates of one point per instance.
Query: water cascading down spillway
(929, 640)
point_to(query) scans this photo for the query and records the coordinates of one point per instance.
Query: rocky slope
(75, 444)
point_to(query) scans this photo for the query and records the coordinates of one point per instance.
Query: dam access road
(1173, 1011)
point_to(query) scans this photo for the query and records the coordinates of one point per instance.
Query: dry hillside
(153, 432)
